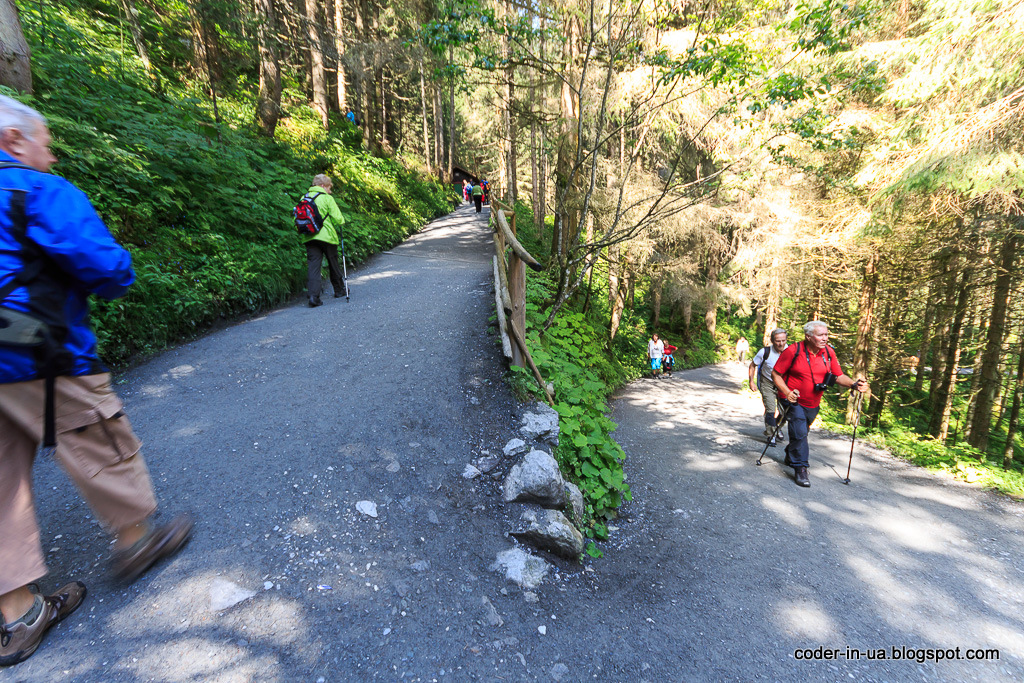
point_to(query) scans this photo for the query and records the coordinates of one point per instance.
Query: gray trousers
(315, 253)
(770, 400)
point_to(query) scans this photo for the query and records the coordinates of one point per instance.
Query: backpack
(41, 329)
(308, 220)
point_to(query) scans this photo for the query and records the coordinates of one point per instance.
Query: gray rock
(559, 671)
(550, 530)
(367, 507)
(420, 566)
(225, 594)
(521, 567)
(541, 424)
(515, 447)
(536, 479)
(491, 613)
(432, 517)
(470, 472)
(575, 508)
(488, 463)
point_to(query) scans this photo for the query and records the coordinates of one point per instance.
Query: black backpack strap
(37, 261)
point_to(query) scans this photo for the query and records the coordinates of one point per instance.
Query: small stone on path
(367, 507)
(225, 594)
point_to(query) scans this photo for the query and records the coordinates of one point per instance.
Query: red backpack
(307, 217)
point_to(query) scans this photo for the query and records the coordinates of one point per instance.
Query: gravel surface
(321, 452)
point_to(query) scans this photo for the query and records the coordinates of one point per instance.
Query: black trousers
(315, 253)
(479, 200)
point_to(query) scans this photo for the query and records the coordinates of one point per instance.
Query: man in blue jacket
(54, 252)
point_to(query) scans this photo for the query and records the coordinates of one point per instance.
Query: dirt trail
(273, 430)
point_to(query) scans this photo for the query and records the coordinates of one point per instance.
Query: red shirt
(802, 371)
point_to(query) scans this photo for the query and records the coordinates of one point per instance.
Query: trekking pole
(778, 428)
(856, 407)
(344, 268)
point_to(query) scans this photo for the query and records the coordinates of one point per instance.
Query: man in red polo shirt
(801, 374)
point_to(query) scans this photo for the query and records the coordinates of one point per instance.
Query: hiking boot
(19, 640)
(163, 541)
(801, 477)
(313, 303)
(772, 442)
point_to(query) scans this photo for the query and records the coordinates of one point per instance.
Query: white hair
(777, 330)
(21, 117)
(321, 180)
(813, 325)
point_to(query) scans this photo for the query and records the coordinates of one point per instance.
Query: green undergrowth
(898, 435)
(205, 209)
(575, 356)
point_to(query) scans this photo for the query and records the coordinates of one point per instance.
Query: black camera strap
(810, 370)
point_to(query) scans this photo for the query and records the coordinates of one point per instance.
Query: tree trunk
(1018, 389)
(15, 57)
(939, 424)
(568, 143)
(317, 73)
(132, 16)
(990, 380)
(268, 105)
(656, 287)
(863, 346)
(943, 315)
(538, 217)
(617, 302)
(512, 128)
(426, 127)
(339, 32)
(977, 325)
(451, 113)
(205, 43)
(438, 135)
(926, 331)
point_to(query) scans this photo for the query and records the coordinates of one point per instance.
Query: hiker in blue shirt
(54, 253)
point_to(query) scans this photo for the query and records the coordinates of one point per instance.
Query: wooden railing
(510, 291)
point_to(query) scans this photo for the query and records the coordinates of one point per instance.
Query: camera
(825, 383)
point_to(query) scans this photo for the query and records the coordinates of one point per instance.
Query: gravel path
(272, 430)
(738, 567)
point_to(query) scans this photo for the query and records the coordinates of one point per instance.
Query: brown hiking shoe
(20, 640)
(161, 542)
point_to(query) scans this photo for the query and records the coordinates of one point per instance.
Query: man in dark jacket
(54, 252)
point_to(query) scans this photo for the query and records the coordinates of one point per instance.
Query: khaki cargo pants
(95, 446)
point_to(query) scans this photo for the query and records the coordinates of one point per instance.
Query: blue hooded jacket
(63, 223)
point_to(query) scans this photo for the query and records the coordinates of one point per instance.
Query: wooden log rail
(510, 291)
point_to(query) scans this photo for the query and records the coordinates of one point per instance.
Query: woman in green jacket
(324, 243)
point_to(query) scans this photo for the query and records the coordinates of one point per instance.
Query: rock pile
(553, 508)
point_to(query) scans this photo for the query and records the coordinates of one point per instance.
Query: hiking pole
(856, 421)
(344, 268)
(778, 428)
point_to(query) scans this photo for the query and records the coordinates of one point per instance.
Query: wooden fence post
(517, 292)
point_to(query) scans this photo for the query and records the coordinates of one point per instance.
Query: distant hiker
(801, 374)
(487, 190)
(478, 197)
(351, 116)
(761, 366)
(742, 346)
(655, 352)
(465, 191)
(668, 361)
(55, 252)
(323, 243)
